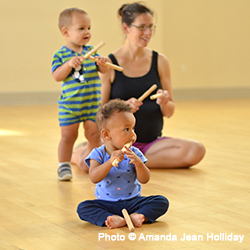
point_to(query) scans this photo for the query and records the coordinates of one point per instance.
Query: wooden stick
(152, 97)
(93, 50)
(128, 145)
(128, 220)
(147, 93)
(111, 65)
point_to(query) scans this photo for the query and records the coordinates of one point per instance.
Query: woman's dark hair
(128, 12)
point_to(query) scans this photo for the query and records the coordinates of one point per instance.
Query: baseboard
(29, 98)
(211, 94)
(38, 98)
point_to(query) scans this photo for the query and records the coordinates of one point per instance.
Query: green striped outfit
(79, 100)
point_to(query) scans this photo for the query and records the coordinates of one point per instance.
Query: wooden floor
(38, 212)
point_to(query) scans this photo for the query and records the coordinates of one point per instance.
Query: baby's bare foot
(137, 219)
(115, 221)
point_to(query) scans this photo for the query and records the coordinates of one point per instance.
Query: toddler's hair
(108, 109)
(66, 16)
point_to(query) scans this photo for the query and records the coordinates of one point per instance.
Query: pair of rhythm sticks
(148, 92)
(88, 55)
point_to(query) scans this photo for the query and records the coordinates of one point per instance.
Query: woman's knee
(196, 153)
(199, 152)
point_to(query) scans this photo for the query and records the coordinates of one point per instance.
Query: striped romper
(81, 90)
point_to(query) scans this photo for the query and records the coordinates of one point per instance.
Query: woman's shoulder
(162, 57)
(118, 53)
(162, 60)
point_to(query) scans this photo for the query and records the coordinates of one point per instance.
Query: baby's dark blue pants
(97, 211)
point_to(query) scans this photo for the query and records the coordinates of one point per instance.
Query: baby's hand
(117, 155)
(134, 159)
(75, 61)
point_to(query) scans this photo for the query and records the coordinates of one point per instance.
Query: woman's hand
(166, 104)
(164, 98)
(101, 64)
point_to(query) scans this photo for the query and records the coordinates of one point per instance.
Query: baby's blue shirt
(121, 182)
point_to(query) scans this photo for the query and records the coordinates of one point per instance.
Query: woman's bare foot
(115, 221)
(137, 219)
(78, 157)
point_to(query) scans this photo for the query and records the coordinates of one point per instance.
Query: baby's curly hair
(108, 109)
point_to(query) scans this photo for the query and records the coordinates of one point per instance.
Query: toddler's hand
(75, 61)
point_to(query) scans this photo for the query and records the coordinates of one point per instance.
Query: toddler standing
(81, 86)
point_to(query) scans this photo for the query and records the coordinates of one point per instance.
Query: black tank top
(149, 120)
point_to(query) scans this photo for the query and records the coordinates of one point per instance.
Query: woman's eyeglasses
(143, 27)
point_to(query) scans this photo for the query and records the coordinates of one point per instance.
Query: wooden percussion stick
(128, 220)
(147, 93)
(152, 97)
(115, 162)
(111, 65)
(93, 50)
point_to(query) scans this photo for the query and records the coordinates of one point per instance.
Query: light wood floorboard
(38, 212)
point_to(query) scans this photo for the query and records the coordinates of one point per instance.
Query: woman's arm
(107, 80)
(101, 67)
(165, 101)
